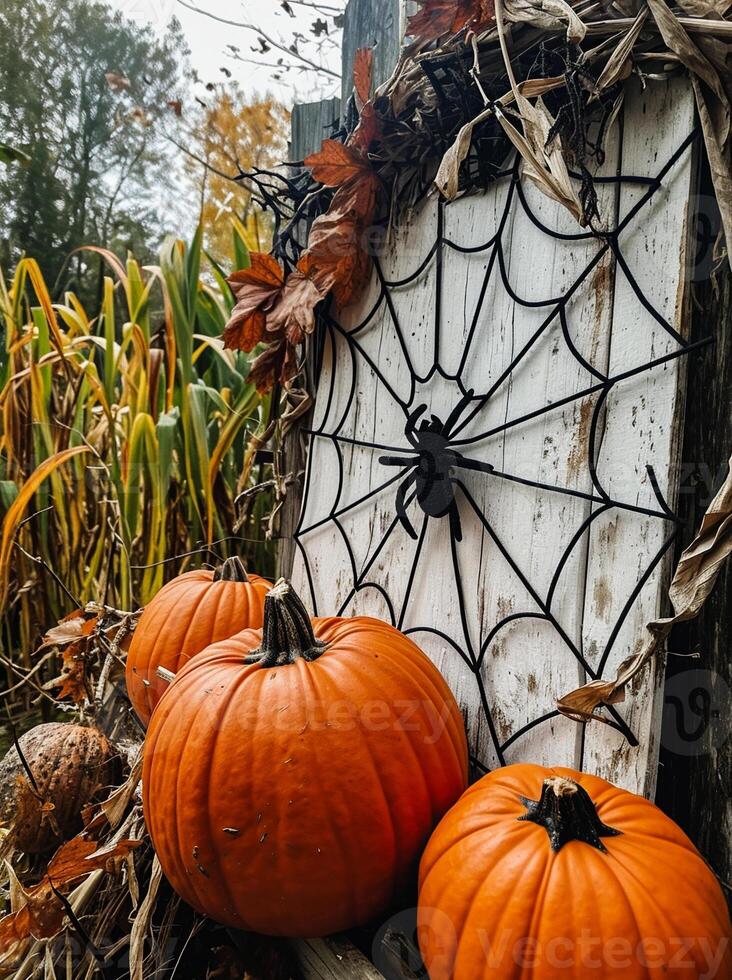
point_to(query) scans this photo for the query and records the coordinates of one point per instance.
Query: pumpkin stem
(287, 633)
(232, 570)
(567, 813)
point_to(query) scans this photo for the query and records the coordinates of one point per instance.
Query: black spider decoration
(434, 463)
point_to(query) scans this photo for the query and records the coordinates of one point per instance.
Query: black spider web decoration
(427, 474)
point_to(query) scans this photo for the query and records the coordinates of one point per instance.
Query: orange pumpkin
(551, 873)
(293, 775)
(189, 613)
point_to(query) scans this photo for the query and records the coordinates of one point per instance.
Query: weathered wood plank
(371, 24)
(333, 959)
(312, 122)
(641, 427)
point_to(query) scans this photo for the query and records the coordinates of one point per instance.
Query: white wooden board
(365, 562)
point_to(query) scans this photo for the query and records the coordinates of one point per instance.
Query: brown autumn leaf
(80, 856)
(294, 314)
(438, 17)
(368, 129)
(257, 290)
(71, 682)
(70, 629)
(335, 163)
(277, 363)
(41, 912)
(40, 917)
(363, 69)
(336, 260)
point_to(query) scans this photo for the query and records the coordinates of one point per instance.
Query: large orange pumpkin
(189, 613)
(550, 873)
(293, 775)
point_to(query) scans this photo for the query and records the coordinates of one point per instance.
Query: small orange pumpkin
(293, 774)
(551, 873)
(189, 613)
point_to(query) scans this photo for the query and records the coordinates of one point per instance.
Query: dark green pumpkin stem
(567, 813)
(232, 570)
(287, 634)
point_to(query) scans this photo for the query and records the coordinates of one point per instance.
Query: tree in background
(229, 133)
(82, 93)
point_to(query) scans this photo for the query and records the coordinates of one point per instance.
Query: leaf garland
(279, 309)
(414, 121)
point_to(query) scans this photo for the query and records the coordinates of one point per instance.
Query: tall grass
(124, 435)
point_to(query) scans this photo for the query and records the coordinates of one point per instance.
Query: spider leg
(398, 460)
(456, 528)
(457, 412)
(472, 464)
(401, 506)
(411, 426)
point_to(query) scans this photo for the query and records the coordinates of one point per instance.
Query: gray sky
(208, 40)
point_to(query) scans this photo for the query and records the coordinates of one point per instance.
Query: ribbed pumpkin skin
(273, 807)
(70, 766)
(489, 882)
(187, 615)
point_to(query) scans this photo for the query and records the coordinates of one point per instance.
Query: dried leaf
(363, 67)
(294, 314)
(616, 67)
(438, 17)
(692, 584)
(543, 164)
(448, 176)
(257, 290)
(71, 682)
(277, 363)
(546, 15)
(682, 45)
(68, 630)
(719, 160)
(336, 259)
(115, 806)
(335, 163)
(368, 129)
(141, 923)
(80, 856)
(41, 912)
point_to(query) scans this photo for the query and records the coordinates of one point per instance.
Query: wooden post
(695, 778)
(368, 23)
(373, 24)
(311, 124)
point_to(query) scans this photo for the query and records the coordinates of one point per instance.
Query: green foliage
(94, 148)
(125, 438)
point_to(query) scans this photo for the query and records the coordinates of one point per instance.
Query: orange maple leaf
(363, 69)
(71, 682)
(257, 290)
(335, 163)
(438, 17)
